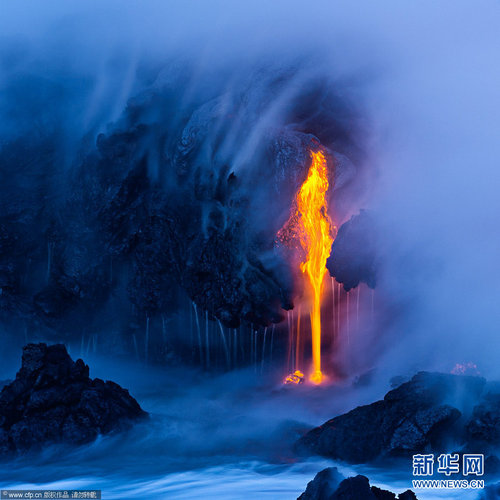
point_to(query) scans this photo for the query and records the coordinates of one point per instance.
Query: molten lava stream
(315, 231)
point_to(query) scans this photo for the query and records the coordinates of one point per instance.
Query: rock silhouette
(417, 415)
(53, 399)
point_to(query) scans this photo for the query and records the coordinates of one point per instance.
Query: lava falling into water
(316, 240)
(315, 231)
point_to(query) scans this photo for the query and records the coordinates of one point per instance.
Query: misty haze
(244, 243)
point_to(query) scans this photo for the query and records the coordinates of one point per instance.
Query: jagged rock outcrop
(416, 416)
(329, 484)
(52, 399)
(323, 485)
(353, 257)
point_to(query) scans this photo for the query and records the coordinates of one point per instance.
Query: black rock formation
(323, 485)
(52, 399)
(179, 197)
(354, 487)
(416, 416)
(330, 485)
(484, 426)
(354, 252)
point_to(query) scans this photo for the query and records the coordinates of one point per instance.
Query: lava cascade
(312, 225)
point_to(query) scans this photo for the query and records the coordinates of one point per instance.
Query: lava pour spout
(315, 233)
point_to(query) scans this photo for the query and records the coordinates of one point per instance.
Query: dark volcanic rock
(178, 196)
(407, 495)
(389, 495)
(52, 399)
(353, 255)
(326, 486)
(484, 426)
(417, 415)
(323, 485)
(354, 488)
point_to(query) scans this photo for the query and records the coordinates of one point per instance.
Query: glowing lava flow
(297, 377)
(315, 235)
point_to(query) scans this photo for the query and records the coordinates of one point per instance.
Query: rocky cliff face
(178, 197)
(353, 258)
(52, 399)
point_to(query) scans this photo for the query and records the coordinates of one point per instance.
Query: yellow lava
(315, 234)
(297, 377)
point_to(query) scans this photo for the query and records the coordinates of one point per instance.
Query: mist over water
(222, 435)
(420, 82)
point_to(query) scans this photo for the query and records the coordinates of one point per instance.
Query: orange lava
(297, 377)
(315, 231)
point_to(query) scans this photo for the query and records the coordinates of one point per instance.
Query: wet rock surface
(52, 399)
(422, 414)
(329, 484)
